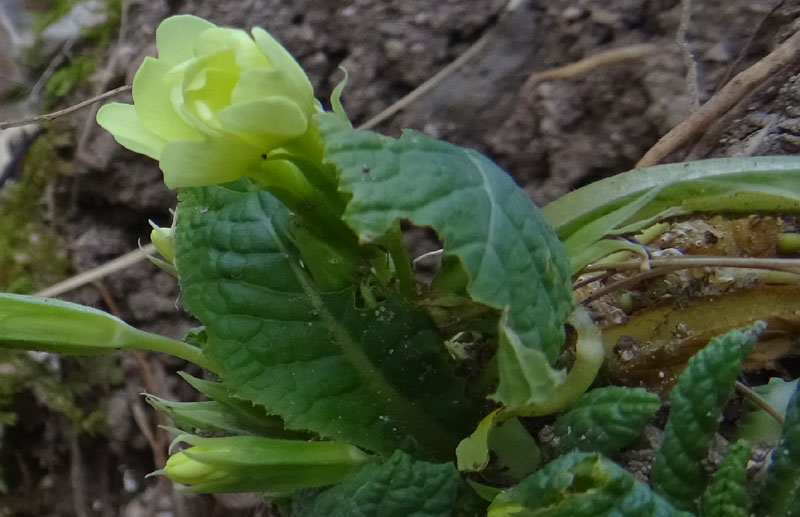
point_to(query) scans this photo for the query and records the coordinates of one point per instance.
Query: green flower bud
(213, 104)
(164, 241)
(256, 464)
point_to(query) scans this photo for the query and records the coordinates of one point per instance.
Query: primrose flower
(256, 464)
(213, 104)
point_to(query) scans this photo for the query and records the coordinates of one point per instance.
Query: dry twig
(605, 58)
(65, 111)
(740, 86)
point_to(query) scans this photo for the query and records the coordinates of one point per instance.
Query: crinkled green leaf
(514, 259)
(581, 485)
(726, 495)
(605, 419)
(379, 377)
(781, 494)
(400, 487)
(697, 402)
(585, 216)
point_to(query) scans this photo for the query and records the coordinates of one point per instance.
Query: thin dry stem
(754, 397)
(65, 111)
(118, 264)
(673, 263)
(664, 266)
(583, 66)
(740, 86)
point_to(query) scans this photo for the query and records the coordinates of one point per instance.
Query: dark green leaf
(581, 485)
(726, 495)
(605, 419)
(697, 401)
(377, 377)
(513, 258)
(400, 487)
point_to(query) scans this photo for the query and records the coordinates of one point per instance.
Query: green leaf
(756, 425)
(581, 485)
(727, 495)
(400, 487)
(585, 216)
(697, 402)
(605, 420)
(50, 325)
(781, 494)
(514, 259)
(378, 377)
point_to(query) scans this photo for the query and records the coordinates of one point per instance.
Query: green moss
(79, 69)
(31, 254)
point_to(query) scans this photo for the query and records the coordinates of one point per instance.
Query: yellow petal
(151, 96)
(280, 58)
(176, 35)
(273, 120)
(191, 163)
(122, 121)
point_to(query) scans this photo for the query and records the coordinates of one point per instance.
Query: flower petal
(257, 82)
(151, 96)
(176, 35)
(273, 120)
(280, 58)
(192, 163)
(246, 53)
(122, 121)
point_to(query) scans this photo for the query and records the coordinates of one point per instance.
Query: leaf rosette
(213, 104)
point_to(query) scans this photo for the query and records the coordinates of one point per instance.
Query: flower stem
(396, 246)
(147, 341)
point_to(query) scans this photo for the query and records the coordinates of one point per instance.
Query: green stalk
(50, 325)
(142, 340)
(395, 244)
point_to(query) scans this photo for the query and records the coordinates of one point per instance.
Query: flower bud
(256, 464)
(213, 104)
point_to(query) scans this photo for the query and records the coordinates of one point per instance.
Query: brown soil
(552, 137)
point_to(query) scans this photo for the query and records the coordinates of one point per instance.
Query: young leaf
(781, 494)
(513, 258)
(605, 420)
(697, 402)
(378, 377)
(582, 485)
(726, 495)
(400, 487)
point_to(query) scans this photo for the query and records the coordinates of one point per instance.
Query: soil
(552, 136)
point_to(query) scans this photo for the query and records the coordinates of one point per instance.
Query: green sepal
(726, 495)
(250, 418)
(401, 486)
(697, 402)
(605, 420)
(579, 484)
